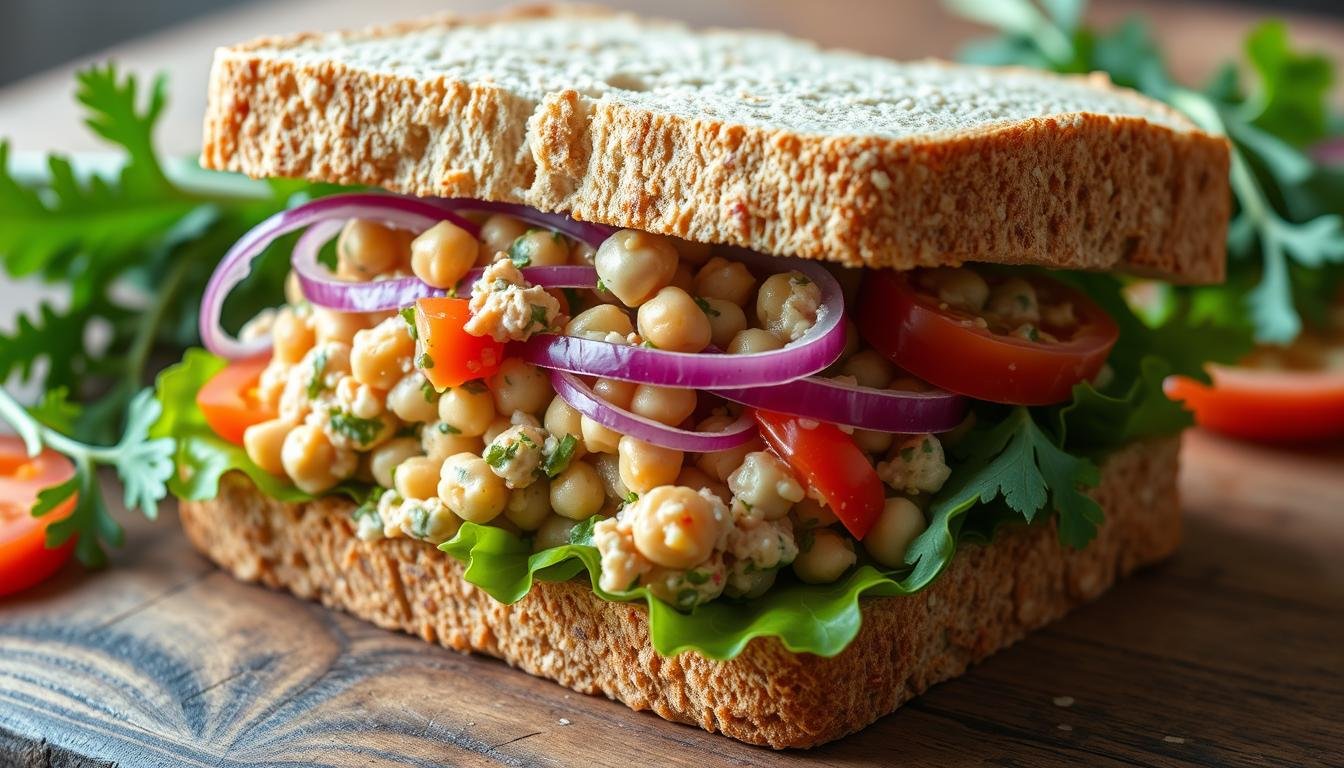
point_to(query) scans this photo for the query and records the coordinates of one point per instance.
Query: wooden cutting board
(1231, 654)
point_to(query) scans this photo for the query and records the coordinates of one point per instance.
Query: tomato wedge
(1258, 404)
(24, 557)
(451, 356)
(950, 349)
(831, 463)
(229, 400)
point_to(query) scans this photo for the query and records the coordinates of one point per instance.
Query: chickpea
(667, 405)
(754, 340)
(693, 478)
(870, 441)
(561, 419)
(529, 507)
(293, 335)
(766, 485)
(720, 278)
(677, 527)
(330, 325)
(582, 254)
(498, 233)
(618, 393)
(961, 288)
(381, 355)
(312, 462)
(608, 468)
(417, 477)
(726, 320)
(496, 428)
(645, 466)
(441, 440)
(604, 322)
(787, 305)
(468, 408)
(554, 532)
(413, 400)
(869, 369)
(264, 442)
(597, 438)
(541, 248)
(826, 560)
(442, 254)
(577, 492)
(384, 460)
(635, 265)
(367, 248)
(470, 489)
(520, 386)
(720, 464)
(898, 525)
(810, 513)
(672, 320)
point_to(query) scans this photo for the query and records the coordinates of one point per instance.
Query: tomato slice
(1263, 404)
(831, 463)
(451, 356)
(24, 557)
(229, 400)
(950, 349)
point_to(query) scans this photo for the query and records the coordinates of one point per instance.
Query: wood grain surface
(1231, 654)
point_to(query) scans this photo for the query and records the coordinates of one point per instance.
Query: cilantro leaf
(1290, 100)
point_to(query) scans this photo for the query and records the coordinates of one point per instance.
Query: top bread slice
(739, 137)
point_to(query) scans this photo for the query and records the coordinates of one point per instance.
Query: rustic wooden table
(1230, 654)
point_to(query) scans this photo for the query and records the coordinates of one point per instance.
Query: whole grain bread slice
(988, 598)
(738, 137)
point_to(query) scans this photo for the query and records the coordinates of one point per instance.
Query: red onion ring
(881, 410)
(586, 402)
(818, 348)
(403, 212)
(323, 289)
(583, 231)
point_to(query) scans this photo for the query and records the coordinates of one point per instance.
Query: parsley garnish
(315, 385)
(631, 497)
(427, 390)
(520, 252)
(419, 522)
(448, 429)
(408, 314)
(369, 507)
(697, 577)
(705, 307)
(424, 361)
(361, 431)
(497, 455)
(559, 458)
(539, 315)
(798, 279)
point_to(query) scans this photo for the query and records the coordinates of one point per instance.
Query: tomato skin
(953, 353)
(229, 400)
(830, 463)
(1265, 405)
(24, 558)
(456, 356)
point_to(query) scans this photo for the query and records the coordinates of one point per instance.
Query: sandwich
(757, 385)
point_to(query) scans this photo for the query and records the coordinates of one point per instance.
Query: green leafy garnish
(360, 430)
(520, 252)
(497, 455)
(557, 460)
(315, 382)
(1288, 227)
(705, 307)
(143, 464)
(408, 315)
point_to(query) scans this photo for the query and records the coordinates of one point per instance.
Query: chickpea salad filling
(747, 443)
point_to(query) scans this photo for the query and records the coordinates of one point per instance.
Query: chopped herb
(806, 538)
(631, 497)
(558, 460)
(648, 344)
(907, 455)
(419, 522)
(539, 315)
(520, 252)
(601, 286)
(704, 307)
(369, 508)
(500, 284)
(315, 385)
(427, 390)
(926, 445)
(408, 314)
(697, 577)
(497, 455)
(406, 431)
(424, 361)
(362, 431)
(448, 429)
(687, 598)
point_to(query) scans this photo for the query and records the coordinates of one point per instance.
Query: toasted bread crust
(988, 598)
(1075, 191)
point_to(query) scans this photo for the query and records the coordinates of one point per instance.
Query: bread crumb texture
(988, 598)
(740, 137)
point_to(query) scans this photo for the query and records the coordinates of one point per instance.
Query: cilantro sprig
(143, 464)
(1286, 243)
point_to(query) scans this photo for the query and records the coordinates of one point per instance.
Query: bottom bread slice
(989, 597)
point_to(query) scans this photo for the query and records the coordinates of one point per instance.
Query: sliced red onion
(403, 212)
(583, 231)
(881, 410)
(586, 402)
(818, 348)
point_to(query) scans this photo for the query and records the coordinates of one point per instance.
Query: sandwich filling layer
(702, 428)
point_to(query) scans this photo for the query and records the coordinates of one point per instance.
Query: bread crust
(1075, 191)
(988, 598)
